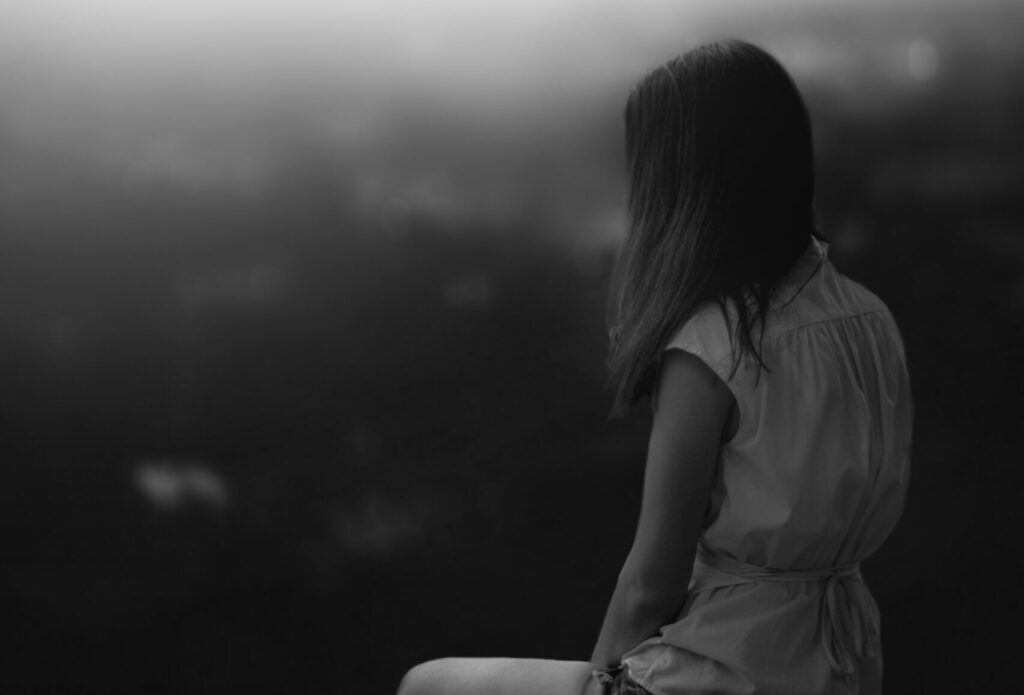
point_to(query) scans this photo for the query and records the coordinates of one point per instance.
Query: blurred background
(302, 326)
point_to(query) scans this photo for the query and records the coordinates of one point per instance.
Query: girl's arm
(692, 411)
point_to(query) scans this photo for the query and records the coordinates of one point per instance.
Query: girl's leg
(499, 676)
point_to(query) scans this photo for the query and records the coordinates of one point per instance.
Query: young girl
(780, 445)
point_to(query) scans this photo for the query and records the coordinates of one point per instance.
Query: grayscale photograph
(548, 347)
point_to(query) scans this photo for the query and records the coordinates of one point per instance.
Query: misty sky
(224, 57)
(213, 92)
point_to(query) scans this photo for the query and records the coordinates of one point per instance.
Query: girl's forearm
(632, 617)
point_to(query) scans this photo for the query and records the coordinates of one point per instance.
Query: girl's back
(810, 485)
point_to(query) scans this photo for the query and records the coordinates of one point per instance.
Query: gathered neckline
(803, 269)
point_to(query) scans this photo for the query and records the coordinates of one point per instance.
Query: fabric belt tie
(848, 628)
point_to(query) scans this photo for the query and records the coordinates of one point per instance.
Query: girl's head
(721, 186)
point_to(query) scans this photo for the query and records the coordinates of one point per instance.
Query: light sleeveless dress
(812, 484)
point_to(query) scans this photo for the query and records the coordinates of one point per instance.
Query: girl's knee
(424, 679)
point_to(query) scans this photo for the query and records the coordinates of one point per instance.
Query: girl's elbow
(651, 597)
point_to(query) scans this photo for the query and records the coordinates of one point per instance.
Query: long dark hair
(721, 188)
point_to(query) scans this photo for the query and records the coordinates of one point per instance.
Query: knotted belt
(848, 628)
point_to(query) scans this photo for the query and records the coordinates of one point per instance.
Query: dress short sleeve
(707, 335)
